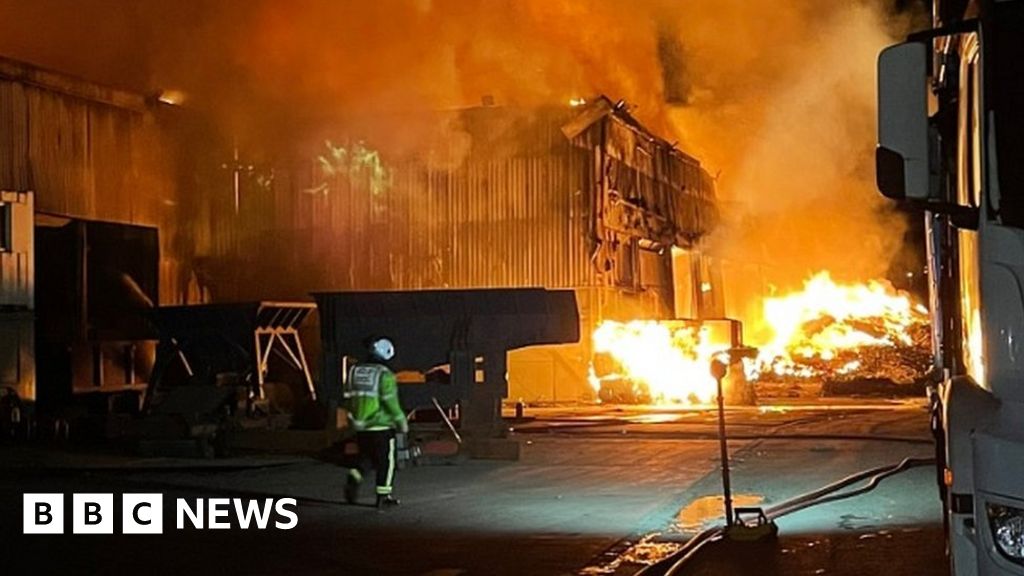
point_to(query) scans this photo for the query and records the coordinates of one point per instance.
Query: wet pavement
(895, 551)
(597, 490)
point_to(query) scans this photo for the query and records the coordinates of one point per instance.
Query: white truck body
(951, 141)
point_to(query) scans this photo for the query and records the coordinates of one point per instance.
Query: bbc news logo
(144, 513)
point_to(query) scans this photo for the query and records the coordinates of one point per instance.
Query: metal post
(724, 446)
(260, 363)
(236, 169)
(305, 365)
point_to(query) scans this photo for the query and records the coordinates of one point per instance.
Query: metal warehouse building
(562, 197)
(113, 203)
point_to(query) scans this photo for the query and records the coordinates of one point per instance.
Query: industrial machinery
(95, 282)
(951, 117)
(213, 341)
(223, 365)
(458, 339)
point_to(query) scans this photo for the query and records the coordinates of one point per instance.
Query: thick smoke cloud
(791, 124)
(775, 97)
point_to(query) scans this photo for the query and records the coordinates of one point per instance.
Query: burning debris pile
(832, 332)
(844, 336)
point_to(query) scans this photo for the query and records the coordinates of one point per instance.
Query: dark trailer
(463, 336)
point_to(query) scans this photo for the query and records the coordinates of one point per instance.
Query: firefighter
(371, 398)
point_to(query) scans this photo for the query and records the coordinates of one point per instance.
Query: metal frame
(272, 327)
(281, 326)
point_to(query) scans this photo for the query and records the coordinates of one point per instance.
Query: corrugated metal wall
(488, 220)
(516, 222)
(522, 206)
(92, 160)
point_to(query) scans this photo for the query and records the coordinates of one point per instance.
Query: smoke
(777, 98)
(789, 120)
(796, 150)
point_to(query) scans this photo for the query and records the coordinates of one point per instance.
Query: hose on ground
(828, 493)
(823, 495)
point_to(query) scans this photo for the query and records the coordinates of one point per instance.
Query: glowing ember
(830, 323)
(662, 361)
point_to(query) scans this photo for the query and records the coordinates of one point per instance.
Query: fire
(826, 330)
(665, 361)
(827, 322)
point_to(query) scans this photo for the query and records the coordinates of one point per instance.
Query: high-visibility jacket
(371, 398)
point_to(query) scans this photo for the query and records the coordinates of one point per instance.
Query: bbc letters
(95, 513)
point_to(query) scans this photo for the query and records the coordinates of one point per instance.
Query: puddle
(707, 508)
(650, 550)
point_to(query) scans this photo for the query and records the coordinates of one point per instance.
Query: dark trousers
(377, 450)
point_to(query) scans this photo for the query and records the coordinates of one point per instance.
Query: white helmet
(382, 348)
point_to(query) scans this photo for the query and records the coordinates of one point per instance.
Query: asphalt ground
(893, 551)
(598, 490)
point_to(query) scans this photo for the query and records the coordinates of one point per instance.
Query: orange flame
(827, 319)
(669, 361)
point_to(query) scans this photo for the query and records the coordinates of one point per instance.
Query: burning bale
(665, 361)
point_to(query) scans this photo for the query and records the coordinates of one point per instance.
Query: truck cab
(951, 143)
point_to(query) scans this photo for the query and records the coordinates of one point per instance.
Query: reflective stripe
(383, 490)
(391, 464)
(360, 394)
(355, 474)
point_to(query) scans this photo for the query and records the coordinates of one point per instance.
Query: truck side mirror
(901, 159)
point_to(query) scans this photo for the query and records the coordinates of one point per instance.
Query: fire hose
(826, 494)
